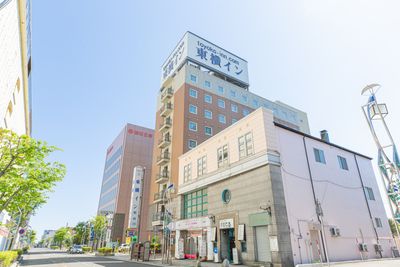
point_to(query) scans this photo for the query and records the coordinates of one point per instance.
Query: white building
(257, 186)
(15, 68)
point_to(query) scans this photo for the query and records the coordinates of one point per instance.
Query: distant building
(204, 89)
(47, 237)
(15, 66)
(277, 195)
(132, 148)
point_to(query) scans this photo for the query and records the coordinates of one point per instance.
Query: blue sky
(96, 66)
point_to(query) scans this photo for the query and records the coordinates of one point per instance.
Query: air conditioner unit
(335, 231)
(378, 247)
(362, 247)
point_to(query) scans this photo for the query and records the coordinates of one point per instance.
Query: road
(49, 258)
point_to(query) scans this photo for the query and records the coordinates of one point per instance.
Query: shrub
(87, 249)
(7, 258)
(54, 247)
(19, 251)
(105, 250)
(25, 250)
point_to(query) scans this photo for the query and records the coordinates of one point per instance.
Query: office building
(132, 148)
(15, 66)
(204, 89)
(262, 192)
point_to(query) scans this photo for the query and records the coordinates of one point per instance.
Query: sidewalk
(175, 263)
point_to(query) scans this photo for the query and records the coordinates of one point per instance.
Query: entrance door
(262, 244)
(227, 243)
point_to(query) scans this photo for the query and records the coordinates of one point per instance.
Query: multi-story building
(204, 89)
(15, 66)
(15, 70)
(263, 192)
(132, 148)
(47, 237)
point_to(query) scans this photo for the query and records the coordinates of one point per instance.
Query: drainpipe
(366, 201)
(317, 205)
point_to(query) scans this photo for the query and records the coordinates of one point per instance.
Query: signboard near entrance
(226, 224)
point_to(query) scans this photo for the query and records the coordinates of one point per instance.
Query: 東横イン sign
(226, 224)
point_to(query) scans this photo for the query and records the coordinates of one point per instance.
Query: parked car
(76, 249)
(123, 248)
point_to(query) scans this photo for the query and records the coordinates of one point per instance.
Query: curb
(345, 262)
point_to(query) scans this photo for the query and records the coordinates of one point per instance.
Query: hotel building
(260, 192)
(204, 89)
(131, 149)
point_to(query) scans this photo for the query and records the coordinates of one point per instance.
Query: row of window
(209, 99)
(221, 90)
(208, 130)
(320, 157)
(195, 204)
(246, 148)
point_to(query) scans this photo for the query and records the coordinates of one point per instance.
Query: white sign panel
(206, 54)
(241, 232)
(195, 223)
(226, 224)
(136, 196)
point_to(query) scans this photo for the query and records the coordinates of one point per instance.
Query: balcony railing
(158, 197)
(158, 218)
(166, 124)
(166, 109)
(164, 142)
(162, 177)
(164, 157)
(166, 94)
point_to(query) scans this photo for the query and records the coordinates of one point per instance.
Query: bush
(19, 251)
(25, 250)
(105, 250)
(87, 249)
(54, 247)
(7, 258)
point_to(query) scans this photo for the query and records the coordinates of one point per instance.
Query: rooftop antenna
(388, 159)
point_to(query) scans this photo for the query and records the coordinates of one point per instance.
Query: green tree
(63, 237)
(82, 231)
(99, 223)
(25, 175)
(393, 225)
(31, 236)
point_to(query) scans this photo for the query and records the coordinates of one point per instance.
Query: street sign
(21, 231)
(215, 250)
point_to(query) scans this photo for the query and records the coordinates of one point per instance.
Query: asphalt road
(49, 258)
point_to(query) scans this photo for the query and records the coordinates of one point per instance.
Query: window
(207, 84)
(246, 145)
(207, 98)
(192, 143)
(245, 112)
(195, 204)
(233, 93)
(221, 89)
(201, 166)
(369, 193)
(221, 118)
(234, 120)
(193, 78)
(192, 109)
(343, 163)
(221, 103)
(378, 222)
(193, 93)
(208, 130)
(207, 114)
(234, 108)
(319, 156)
(244, 98)
(255, 103)
(187, 172)
(192, 126)
(222, 154)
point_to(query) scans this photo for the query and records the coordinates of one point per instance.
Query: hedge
(54, 247)
(19, 251)
(7, 258)
(87, 249)
(25, 249)
(105, 250)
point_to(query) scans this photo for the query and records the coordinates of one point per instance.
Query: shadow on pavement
(60, 261)
(47, 252)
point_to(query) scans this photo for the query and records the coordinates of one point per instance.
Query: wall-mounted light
(267, 209)
(212, 218)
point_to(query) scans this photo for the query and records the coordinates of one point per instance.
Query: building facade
(132, 148)
(15, 77)
(15, 66)
(262, 192)
(204, 89)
